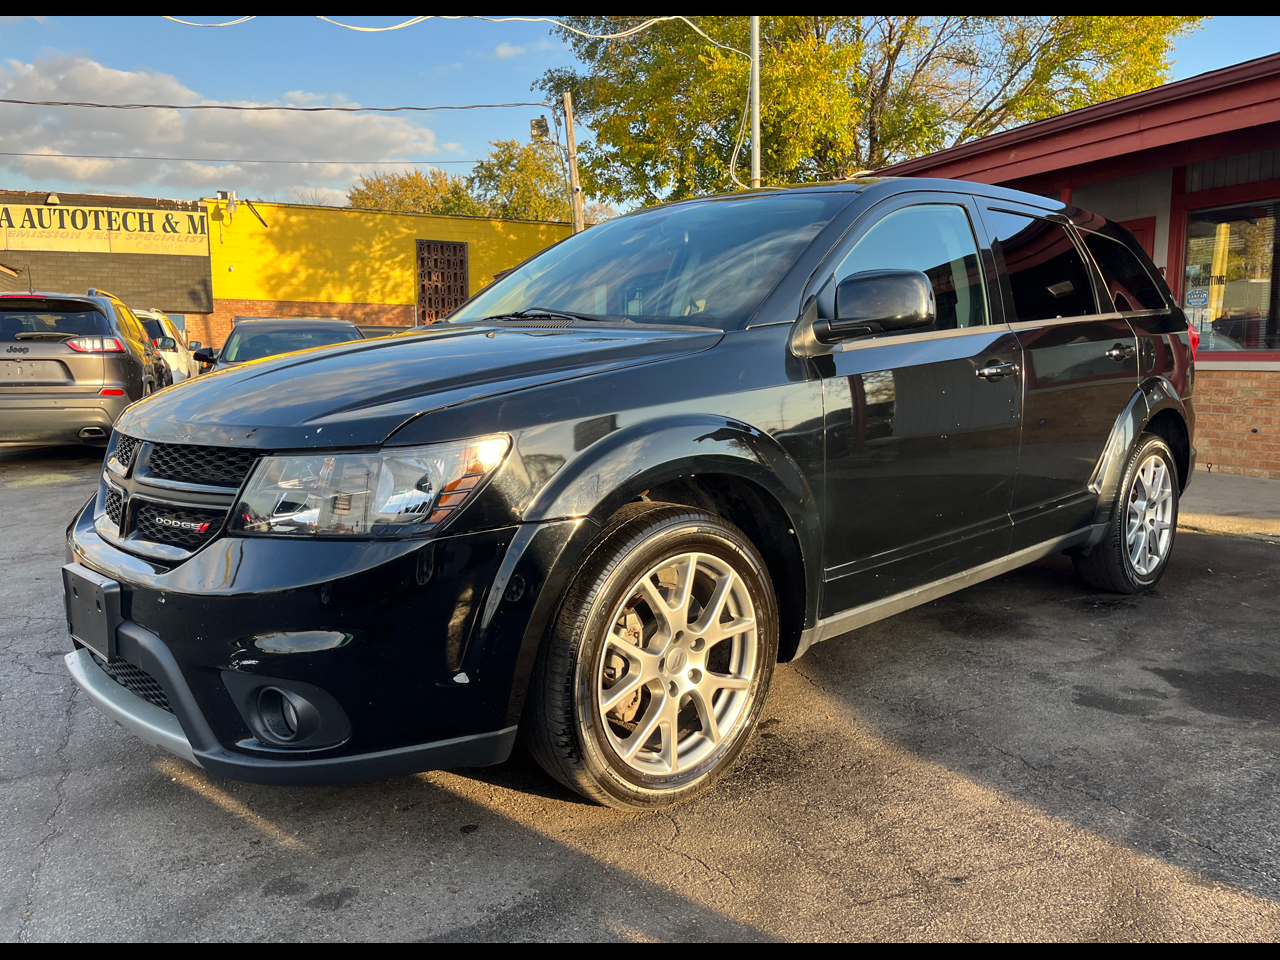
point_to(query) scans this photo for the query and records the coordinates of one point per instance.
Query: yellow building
(375, 268)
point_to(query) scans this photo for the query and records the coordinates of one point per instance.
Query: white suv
(171, 344)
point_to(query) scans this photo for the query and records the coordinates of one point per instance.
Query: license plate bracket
(93, 609)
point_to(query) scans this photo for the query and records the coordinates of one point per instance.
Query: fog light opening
(289, 715)
(284, 716)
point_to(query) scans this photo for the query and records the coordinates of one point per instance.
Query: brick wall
(174, 284)
(213, 328)
(1238, 422)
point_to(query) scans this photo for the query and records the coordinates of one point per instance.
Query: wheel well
(1169, 427)
(757, 514)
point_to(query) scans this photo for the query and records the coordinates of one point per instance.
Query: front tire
(1135, 550)
(659, 663)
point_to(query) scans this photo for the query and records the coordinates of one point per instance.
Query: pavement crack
(696, 859)
(51, 829)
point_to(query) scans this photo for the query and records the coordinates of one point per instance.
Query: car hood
(359, 393)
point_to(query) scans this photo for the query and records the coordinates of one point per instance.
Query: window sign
(1228, 287)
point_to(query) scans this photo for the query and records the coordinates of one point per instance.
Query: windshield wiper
(42, 335)
(537, 313)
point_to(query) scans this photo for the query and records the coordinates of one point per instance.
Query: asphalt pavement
(1024, 760)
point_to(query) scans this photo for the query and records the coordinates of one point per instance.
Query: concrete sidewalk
(1228, 503)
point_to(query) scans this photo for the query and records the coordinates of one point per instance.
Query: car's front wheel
(658, 665)
(1136, 548)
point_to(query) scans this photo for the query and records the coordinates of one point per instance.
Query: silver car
(69, 365)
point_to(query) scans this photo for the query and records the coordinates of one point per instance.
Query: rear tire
(659, 663)
(1136, 547)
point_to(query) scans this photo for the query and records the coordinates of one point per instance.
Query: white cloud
(223, 135)
(505, 51)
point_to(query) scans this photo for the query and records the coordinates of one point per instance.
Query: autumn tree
(417, 191)
(838, 94)
(515, 181)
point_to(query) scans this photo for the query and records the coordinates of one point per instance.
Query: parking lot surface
(1025, 759)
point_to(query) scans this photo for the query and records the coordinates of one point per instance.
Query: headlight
(399, 492)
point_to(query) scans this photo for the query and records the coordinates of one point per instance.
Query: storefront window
(1229, 291)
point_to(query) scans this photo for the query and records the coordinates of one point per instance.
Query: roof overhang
(1212, 104)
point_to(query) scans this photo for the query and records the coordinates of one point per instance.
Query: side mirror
(206, 356)
(879, 301)
(167, 343)
(195, 345)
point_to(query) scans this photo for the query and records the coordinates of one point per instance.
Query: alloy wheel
(678, 670)
(1149, 517)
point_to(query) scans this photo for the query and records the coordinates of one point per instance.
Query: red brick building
(1193, 169)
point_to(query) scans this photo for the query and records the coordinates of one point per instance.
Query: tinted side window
(1128, 282)
(1047, 275)
(936, 239)
(130, 325)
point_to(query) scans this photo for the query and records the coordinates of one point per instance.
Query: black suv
(622, 482)
(69, 365)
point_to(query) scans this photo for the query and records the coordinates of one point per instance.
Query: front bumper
(160, 728)
(416, 653)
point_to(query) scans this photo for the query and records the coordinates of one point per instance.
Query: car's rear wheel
(659, 663)
(1135, 550)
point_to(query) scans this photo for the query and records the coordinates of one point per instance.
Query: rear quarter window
(1129, 284)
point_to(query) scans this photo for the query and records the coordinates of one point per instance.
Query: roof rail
(95, 292)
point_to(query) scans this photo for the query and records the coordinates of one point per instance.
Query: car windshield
(153, 327)
(247, 343)
(43, 321)
(703, 264)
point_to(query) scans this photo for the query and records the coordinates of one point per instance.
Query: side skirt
(871, 612)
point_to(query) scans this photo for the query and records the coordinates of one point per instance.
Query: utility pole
(755, 102)
(575, 190)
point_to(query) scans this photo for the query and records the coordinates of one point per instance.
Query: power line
(95, 156)
(256, 108)
(414, 21)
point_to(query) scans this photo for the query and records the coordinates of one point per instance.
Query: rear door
(1081, 368)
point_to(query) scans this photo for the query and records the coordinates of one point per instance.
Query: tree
(417, 191)
(521, 181)
(838, 94)
(515, 181)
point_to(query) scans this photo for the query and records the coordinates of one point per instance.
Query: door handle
(997, 371)
(1121, 352)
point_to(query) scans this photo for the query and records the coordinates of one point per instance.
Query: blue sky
(305, 61)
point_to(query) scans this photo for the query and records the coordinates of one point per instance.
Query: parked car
(172, 344)
(601, 501)
(256, 338)
(71, 364)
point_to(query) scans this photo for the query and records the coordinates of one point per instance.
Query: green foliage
(838, 94)
(522, 182)
(417, 191)
(515, 181)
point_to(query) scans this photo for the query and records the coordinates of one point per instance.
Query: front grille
(217, 466)
(125, 448)
(186, 527)
(114, 505)
(137, 681)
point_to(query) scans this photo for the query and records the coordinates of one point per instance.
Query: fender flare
(1153, 395)
(622, 466)
(618, 469)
